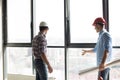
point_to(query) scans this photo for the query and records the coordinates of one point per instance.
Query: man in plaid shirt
(39, 49)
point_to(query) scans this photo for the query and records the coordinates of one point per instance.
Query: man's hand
(44, 58)
(102, 67)
(84, 52)
(50, 69)
(100, 78)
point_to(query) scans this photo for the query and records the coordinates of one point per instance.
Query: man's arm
(87, 51)
(102, 65)
(104, 57)
(44, 58)
(107, 41)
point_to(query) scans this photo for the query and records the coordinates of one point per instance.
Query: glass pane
(82, 15)
(19, 60)
(116, 53)
(57, 60)
(91, 76)
(18, 21)
(115, 70)
(114, 16)
(76, 62)
(51, 11)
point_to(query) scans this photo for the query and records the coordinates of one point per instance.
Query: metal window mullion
(4, 26)
(65, 41)
(32, 32)
(105, 13)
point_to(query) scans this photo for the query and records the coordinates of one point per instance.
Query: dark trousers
(104, 74)
(41, 72)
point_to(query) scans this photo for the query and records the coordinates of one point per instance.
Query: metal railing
(86, 71)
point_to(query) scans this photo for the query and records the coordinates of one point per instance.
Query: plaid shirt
(39, 45)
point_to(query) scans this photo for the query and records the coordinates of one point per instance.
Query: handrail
(115, 62)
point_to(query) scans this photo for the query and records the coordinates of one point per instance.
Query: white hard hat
(43, 24)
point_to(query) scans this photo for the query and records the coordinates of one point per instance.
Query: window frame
(87, 45)
(66, 32)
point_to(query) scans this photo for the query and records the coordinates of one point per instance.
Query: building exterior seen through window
(114, 21)
(53, 15)
(19, 17)
(82, 14)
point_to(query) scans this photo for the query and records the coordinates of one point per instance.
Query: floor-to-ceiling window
(81, 16)
(114, 31)
(70, 31)
(20, 33)
(52, 12)
(19, 59)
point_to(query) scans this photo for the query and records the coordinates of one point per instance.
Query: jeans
(41, 72)
(104, 74)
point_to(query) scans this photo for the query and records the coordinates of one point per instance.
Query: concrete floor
(23, 77)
